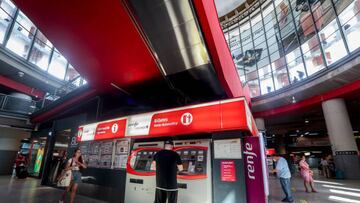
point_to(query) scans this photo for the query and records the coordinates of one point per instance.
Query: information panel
(227, 149)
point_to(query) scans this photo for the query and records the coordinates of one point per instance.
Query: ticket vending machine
(194, 183)
(140, 180)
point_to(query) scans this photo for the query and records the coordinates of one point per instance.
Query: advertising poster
(38, 161)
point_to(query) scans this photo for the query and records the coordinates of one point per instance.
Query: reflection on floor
(30, 191)
(329, 190)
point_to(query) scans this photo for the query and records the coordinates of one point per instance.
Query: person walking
(74, 164)
(167, 163)
(325, 167)
(283, 173)
(306, 174)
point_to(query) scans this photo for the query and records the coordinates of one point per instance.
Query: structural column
(341, 137)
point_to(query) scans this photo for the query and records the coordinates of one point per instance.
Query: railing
(17, 105)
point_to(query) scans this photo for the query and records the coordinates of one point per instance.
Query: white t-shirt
(324, 163)
(76, 166)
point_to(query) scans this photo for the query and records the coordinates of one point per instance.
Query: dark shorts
(76, 176)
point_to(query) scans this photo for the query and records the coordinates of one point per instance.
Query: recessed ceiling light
(21, 74)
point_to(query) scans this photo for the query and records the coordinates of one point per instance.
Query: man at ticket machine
(167, 164)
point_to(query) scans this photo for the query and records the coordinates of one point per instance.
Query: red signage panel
(185, 121)
(111, 129)
(228, 172)
(233, 115)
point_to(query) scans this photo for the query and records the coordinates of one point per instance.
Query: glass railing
(278, 43)
(13, 104)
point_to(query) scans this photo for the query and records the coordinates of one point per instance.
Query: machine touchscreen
(143, 160)
(194, 160)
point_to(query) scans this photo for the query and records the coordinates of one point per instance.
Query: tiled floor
(30, 191)
(329, 190)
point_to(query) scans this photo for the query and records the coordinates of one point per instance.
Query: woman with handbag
(306, 174)
(73, 165)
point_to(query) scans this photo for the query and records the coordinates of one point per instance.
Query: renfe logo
(186, 119)
(114, 128)
(250, 156)
(80, 132)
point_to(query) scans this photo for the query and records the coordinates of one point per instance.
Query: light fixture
(307, 121)
(21, 74)
(293, 100)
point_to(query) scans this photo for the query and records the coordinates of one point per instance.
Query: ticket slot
(182, 185)
(137, 181)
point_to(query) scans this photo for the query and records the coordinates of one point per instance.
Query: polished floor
(329, 190)
(30, 191)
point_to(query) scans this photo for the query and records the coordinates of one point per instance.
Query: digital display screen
(143, 165)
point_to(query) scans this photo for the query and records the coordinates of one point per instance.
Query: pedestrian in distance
(283, 173)
(306, 174)
(74, 164)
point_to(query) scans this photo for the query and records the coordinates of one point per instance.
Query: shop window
(245, 33)
(341, 5)
(21, 36)
(264, 61)
(58, 65)
(334, 48)
(71, 73)
(266, 81)
(332, 43)
(241, 74)
(238, 56)
(249, 57)
(349, 20)
(314, 60)
(313, 56)
(41, 51)
(296, 70)
(251, 75)
(7, 11)
(234, 38)
(323, 16)
(280, 74)
(254, 88)
(286, 26)
(226, 35)
(274, 56)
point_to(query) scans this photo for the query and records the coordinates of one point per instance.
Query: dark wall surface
(7, 159)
